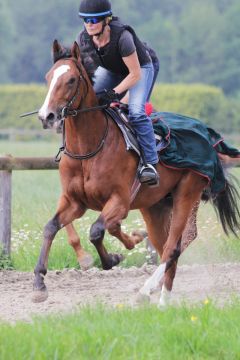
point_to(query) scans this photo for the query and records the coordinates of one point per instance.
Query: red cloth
(148, 108)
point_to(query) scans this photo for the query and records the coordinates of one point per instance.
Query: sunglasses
(93, 20)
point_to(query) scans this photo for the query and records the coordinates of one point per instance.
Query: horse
(97, 172)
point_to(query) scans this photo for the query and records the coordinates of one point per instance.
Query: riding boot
(149, 175)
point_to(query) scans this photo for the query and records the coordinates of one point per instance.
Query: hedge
(18, 99)
(204, 102)
(207, 103)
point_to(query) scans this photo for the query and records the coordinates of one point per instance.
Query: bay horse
(97, 172)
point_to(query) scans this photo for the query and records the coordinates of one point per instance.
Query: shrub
(203, 102)
(18, 99)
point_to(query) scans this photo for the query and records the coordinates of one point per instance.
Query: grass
(35, 195)
(203, 331)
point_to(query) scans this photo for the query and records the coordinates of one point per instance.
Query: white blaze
(43, 112)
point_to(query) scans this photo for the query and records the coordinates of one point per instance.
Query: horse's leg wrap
(97, 232)
(40, 271)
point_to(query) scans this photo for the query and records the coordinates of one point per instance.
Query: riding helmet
(95, 8)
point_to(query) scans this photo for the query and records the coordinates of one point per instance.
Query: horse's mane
(65, 53)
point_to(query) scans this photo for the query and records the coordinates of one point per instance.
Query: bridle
(67, 111)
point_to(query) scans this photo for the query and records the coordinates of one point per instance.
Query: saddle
(119, 114)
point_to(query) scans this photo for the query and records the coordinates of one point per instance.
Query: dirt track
(71, 288)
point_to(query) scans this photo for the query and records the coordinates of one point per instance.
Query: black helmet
(95, 8)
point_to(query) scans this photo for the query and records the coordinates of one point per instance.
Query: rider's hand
(108, 96)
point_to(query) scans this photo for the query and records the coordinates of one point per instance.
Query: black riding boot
(149, 175)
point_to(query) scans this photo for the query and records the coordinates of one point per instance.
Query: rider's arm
(134, 75)
(127, 50)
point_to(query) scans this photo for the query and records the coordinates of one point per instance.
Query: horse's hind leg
(189, 234)
(157, 219)
(113, 212)
(129, 241)
(84, 258)
(185, 197)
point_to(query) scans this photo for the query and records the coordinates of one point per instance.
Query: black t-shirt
(126, 44)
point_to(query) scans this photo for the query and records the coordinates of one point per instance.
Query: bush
(203, 102)
(18, 99)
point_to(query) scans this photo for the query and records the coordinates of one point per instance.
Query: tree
(6, 40)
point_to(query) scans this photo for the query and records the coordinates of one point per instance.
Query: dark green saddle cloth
(189, 144)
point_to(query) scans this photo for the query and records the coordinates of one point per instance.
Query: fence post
(5, 210)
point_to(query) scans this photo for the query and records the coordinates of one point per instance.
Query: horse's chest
(95, 194)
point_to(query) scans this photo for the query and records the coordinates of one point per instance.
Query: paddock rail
(9, 163)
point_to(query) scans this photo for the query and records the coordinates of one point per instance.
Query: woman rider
(123, 63)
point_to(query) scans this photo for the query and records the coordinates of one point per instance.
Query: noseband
(67, 111)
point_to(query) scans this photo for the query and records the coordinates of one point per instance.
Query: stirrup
(149, 175)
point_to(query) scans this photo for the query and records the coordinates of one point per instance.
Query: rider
(121, 63)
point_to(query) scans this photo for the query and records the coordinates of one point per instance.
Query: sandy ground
(69, 289)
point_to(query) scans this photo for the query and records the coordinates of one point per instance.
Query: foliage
(196, 41)
(204, 102)
(6, 40)
(202, 331)
(5, 262)
(18, 99)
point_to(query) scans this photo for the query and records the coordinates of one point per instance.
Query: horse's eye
(71, 81)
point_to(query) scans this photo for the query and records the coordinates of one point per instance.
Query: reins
(77, 156)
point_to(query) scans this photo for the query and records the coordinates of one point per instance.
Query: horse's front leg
(66, 213)
(84, 258)
(113, 212)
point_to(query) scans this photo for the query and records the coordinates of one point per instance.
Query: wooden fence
(13, 134)
(7, 165)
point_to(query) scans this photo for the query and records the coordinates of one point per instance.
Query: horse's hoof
(113, 260)
(86, 262)
(116, 259)
(142, 299)
(39, 295)
(138, 236)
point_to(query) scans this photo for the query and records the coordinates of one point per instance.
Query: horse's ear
(56, 50)
(76, 51)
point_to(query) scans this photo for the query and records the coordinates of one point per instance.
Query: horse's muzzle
(48, 122)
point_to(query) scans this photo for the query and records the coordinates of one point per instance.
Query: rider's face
(93, 29)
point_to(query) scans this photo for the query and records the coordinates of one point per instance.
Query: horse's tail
(227, 204)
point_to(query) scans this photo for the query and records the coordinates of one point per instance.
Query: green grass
(35, 195)
(199, 332)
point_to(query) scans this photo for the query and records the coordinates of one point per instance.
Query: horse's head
(65, 85)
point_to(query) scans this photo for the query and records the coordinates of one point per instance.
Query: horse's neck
(84, 132)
